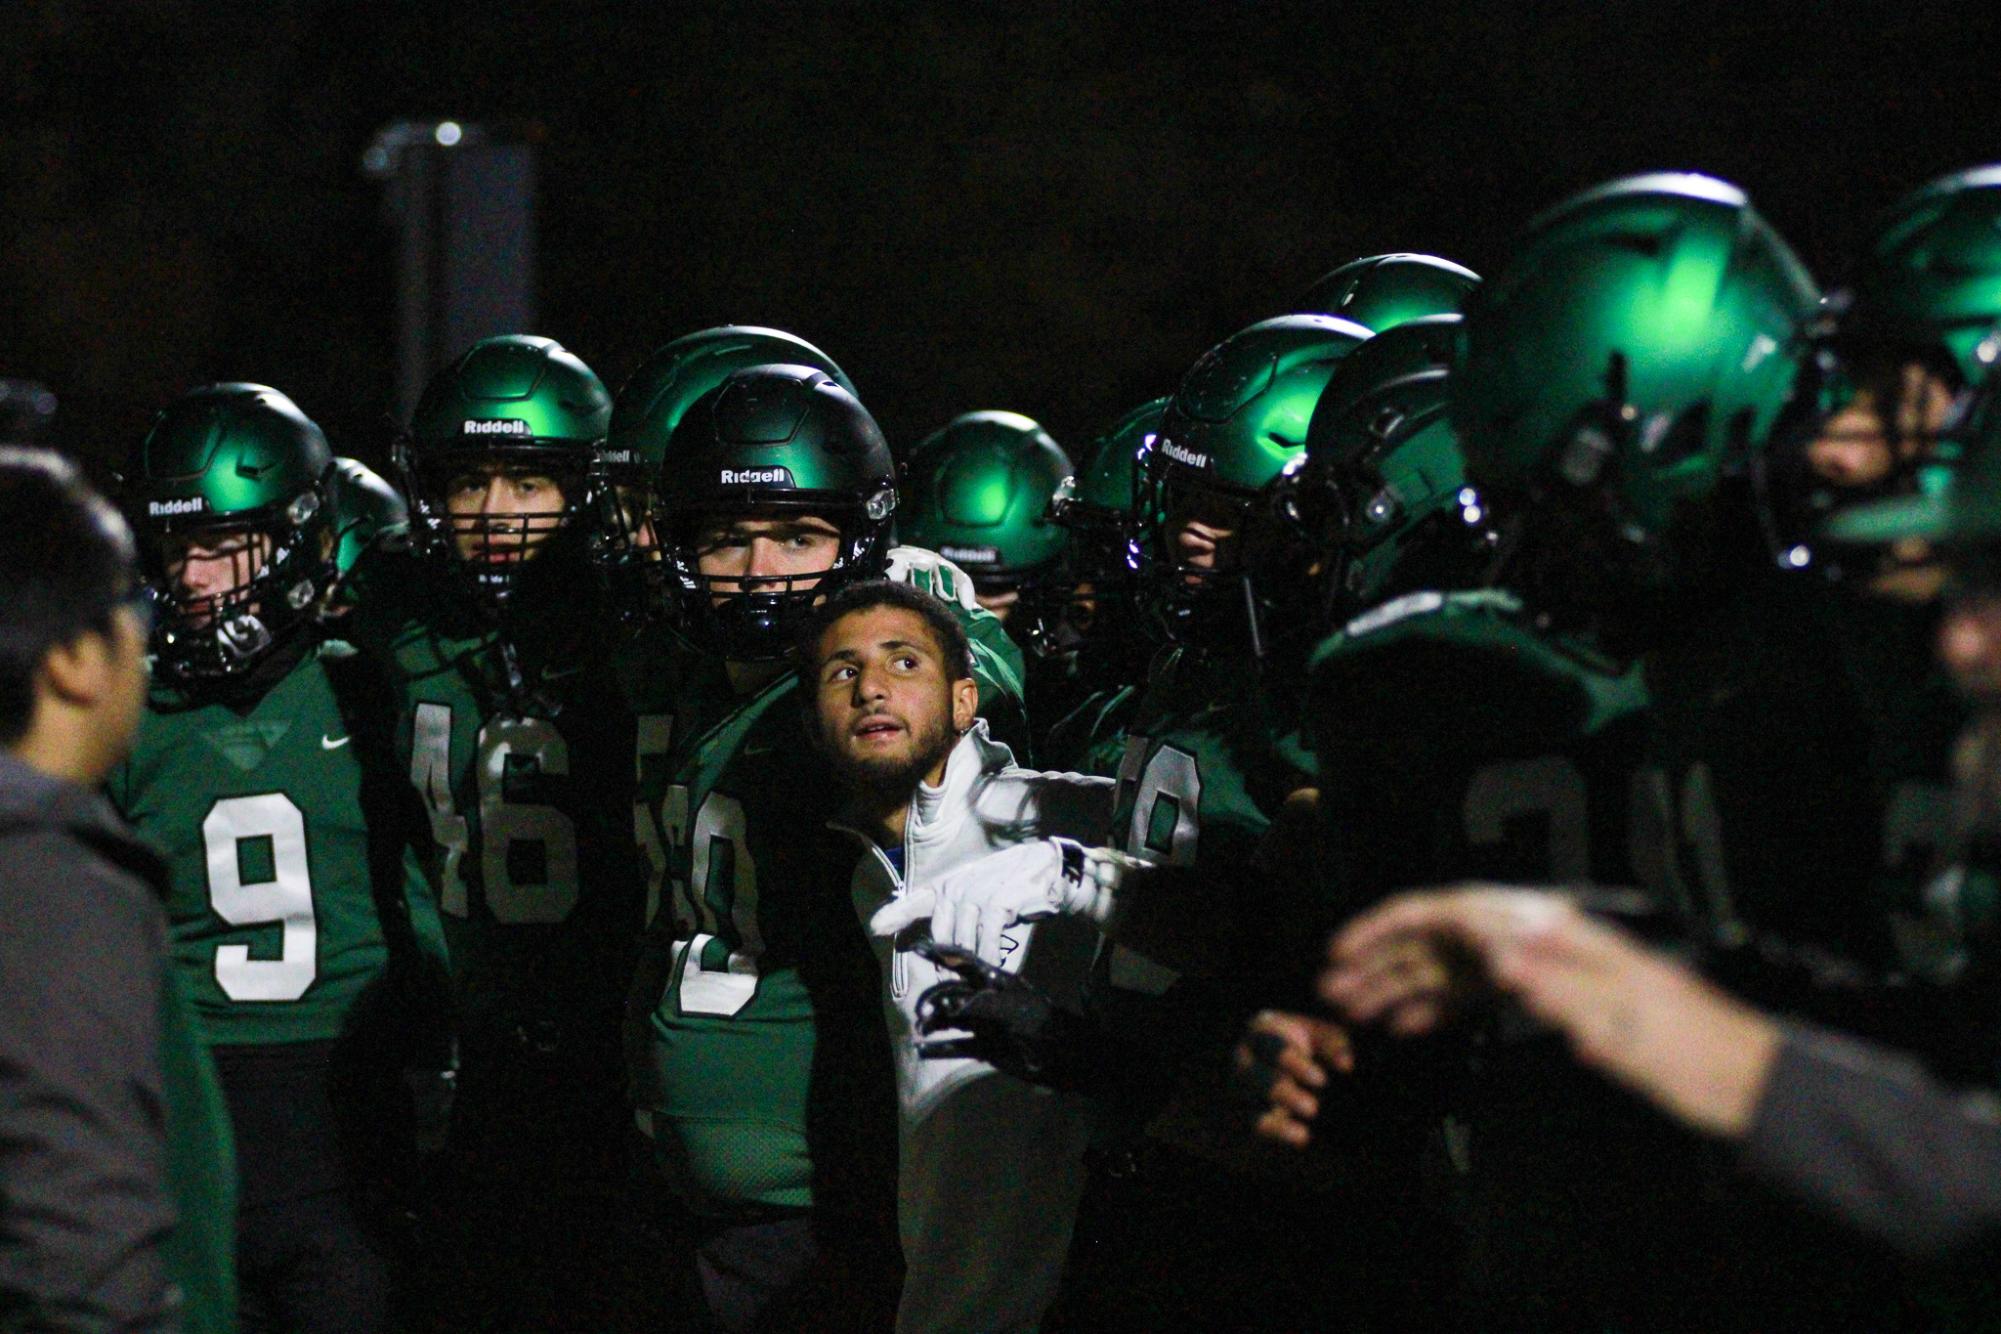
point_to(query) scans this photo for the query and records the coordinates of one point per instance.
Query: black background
(1050, 209)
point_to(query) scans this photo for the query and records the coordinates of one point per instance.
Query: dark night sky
(1050, 209)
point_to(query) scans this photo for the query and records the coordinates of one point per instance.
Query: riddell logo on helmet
(503, 426)
(1183, 456)
(166, 509)
(756, 477)
(972, 555)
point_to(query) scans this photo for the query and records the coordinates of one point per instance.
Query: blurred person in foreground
(114, 1150)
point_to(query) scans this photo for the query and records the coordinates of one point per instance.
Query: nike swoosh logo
(328, 743)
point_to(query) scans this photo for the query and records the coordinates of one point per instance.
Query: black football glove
(1009, 1023)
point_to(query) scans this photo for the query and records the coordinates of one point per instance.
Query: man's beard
(889, 781)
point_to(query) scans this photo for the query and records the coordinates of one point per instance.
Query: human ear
(80, 672)
(965, 703)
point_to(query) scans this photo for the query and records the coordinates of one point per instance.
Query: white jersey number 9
(275, 833)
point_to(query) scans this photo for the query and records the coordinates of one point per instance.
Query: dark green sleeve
(201, 1172)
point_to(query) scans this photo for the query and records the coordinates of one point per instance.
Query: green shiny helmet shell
(1401, 370)
(1932, 275)
(366, 509)
(513, 393)
(1380, 292)
(1381, 456)
(232, 456)
(1241, 412)
(1654, 320)
(227, 454)
(777, 436)
(1106, 483)
(652, 402)
(978, 490)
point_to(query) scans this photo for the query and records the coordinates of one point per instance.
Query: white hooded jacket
(990, 1167)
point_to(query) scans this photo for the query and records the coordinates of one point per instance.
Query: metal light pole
(462, 199)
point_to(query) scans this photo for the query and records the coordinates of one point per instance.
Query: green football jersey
(754, 968)
(1211, 752)
(1091, 739)
(1763, 751)
(1914, 717)
(295, 864)
(1456, 740)
(520, 747)
(201, 1170)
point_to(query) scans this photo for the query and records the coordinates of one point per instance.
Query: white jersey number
(1165, 827)
(273, 825)
(537, 841)
(431, 775)
(1549, 787)
(719, 899)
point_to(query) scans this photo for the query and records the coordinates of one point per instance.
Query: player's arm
(1857, 1131)
(1168, 913)
(1287, 1060)
(1629, 1012)
(84, 1213)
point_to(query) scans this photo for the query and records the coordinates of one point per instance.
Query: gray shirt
(85, 1210)
(1865, 1135)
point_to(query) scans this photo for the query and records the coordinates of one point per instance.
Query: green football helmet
(1926, 295)
(1616, 380)
(517, 405)
(1380, 292)
(978, 491)
(771, 441)
(1095, 586)
(1238, 418)
(1382, 493)
(643, 416)
(366, 511)
(236, 472)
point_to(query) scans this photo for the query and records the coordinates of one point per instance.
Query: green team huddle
(504, 897)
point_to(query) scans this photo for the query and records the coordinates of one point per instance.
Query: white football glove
(972, 906)
(933, 573)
